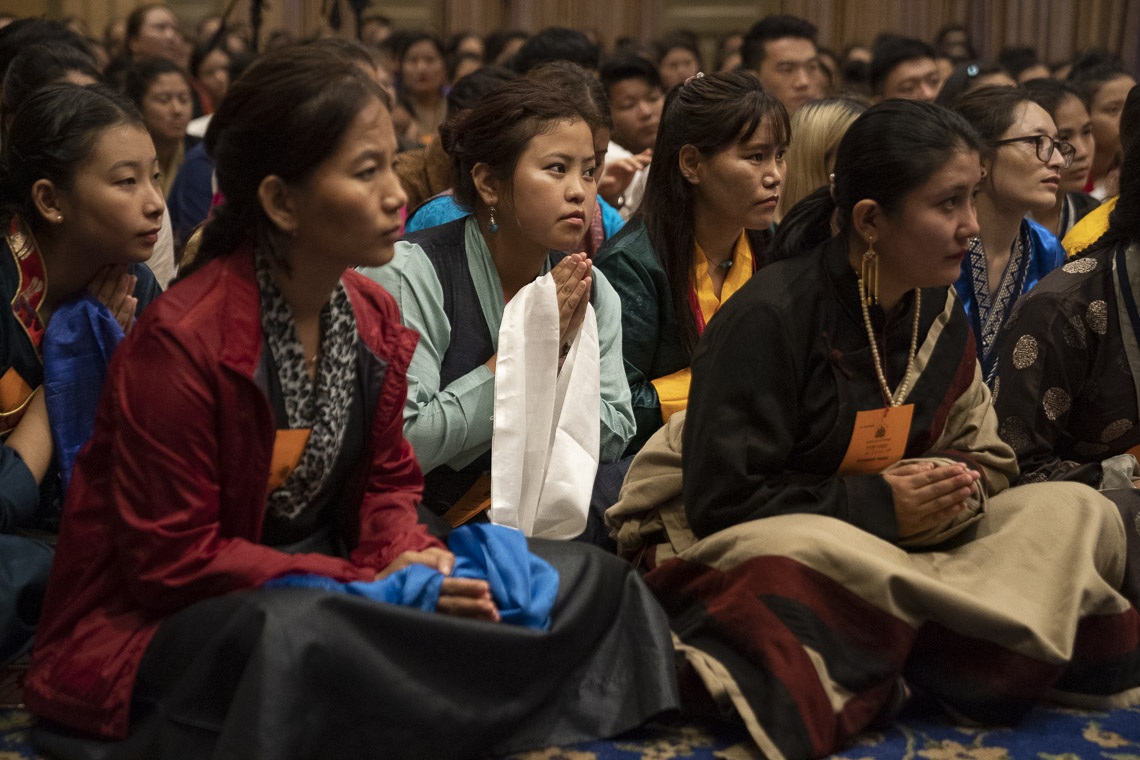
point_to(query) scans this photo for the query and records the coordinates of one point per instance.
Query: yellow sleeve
(673, 392)
(1087, 231)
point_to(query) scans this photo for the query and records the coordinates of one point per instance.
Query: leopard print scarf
(323, 405)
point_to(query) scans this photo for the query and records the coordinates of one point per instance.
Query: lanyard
(695, 302)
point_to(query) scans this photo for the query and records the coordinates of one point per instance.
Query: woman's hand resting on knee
(462, 597)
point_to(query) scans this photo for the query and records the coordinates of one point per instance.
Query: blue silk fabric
(77, 348)
(523, 585)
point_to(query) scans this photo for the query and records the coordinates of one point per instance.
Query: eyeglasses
(1045, 147)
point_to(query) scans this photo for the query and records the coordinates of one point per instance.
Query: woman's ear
(867, 220)
(49, 202)
(486, 185)
(689, 161)
(987, 167)
(278, 203)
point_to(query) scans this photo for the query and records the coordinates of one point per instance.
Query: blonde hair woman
(817, 129)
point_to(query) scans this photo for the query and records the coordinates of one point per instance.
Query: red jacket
(167, 501)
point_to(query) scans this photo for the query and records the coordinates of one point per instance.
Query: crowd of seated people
(856, 424)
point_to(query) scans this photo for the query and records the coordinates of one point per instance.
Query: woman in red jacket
(251, 428)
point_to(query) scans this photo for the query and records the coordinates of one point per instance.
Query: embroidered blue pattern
(991, 312)
(1035, 253)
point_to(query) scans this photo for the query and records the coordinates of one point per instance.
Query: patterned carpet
(1049, 733)
(922, 733)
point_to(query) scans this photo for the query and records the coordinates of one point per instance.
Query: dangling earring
(492, 226)
(869, 275)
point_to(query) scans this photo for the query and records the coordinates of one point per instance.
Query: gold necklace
(896, 398)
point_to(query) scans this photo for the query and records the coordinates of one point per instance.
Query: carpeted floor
(1048, 733)
(921, 733)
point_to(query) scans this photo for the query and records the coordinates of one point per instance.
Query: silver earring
(492, 226)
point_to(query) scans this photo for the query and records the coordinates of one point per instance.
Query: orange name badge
(476, 501)
(288, 447)
(14, 390)
(878, 440)
(14, 395)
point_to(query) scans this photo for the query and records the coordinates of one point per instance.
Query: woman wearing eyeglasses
(1020, 175)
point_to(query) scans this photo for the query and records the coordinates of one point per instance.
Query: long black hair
(888, 152)
(710, 113)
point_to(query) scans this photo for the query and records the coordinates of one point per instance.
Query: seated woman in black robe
(843, 532)
(1068, 394)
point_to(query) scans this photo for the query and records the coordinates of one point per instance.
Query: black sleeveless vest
(470, 346)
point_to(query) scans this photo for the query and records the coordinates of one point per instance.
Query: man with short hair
(904, 68)
(781, 52)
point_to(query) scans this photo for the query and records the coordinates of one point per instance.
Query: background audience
(633, 88)
(781, 51)
(422, 83)
(903, 67)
